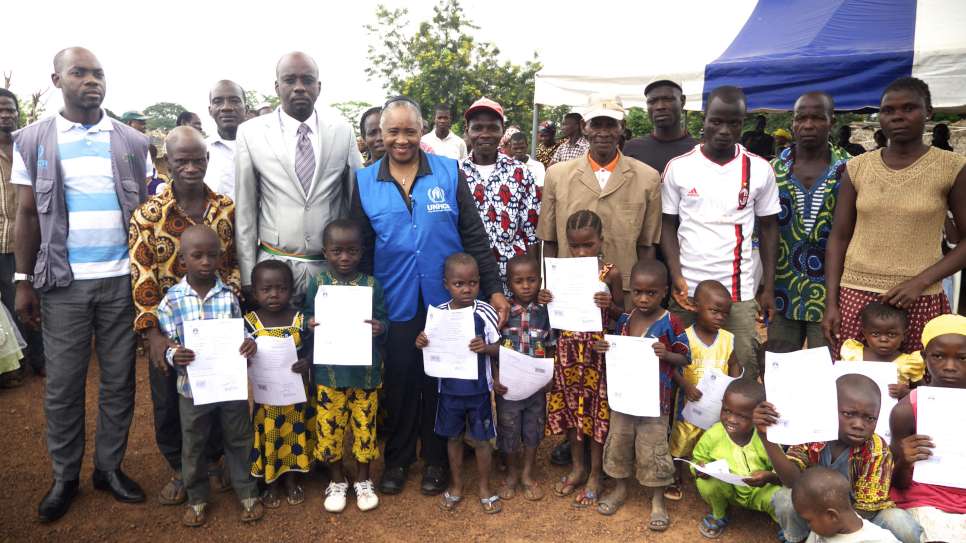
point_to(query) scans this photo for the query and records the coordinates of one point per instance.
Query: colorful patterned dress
(284, 435)
(578, 398)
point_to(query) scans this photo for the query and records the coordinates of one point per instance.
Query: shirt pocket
(44, 193)
(129, 198)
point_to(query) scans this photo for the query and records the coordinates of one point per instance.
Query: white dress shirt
(220, 176)
(451, 146)
(290, 132)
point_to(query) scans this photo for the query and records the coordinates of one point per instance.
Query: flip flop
(565, 487)
(271, 499)
(607, 506)
(507, 492)
(296, 495)
(449, 502)
(253, 512)
(533, 492)
(659, 523)
(586, 498)
(673, 493)
(194, 516)
(491, 505)
(712, 527)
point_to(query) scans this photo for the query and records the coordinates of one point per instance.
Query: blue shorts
(470, 414)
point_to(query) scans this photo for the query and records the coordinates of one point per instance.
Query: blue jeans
(897, 521)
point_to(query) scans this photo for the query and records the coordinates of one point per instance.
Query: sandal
(296, 495)
(252, 510)
(533, 492)
(659, 522)
(174, 492)
(712, 527)
(565, 487)
(449, 502)
(607, 505)
(586, 498)
(507, 492)
(194, 515)
(673, 492)
(491, 505)
(270, 498)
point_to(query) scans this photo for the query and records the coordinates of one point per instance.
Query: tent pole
(533, 129)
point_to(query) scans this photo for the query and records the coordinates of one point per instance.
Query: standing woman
(888, 224)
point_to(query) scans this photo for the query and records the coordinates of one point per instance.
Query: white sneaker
(366, 497)
(335, 497)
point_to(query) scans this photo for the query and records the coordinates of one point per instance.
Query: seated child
(859, 454)
(884, 330)
(201, 294)
(527, 331)
(638, 445)
(464, 404)
(711, 348)
(735, 440)
(821, 497)
(940, 510)
(348, 395)
(283, 433)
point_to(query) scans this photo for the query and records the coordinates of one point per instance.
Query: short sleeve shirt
(485, 321)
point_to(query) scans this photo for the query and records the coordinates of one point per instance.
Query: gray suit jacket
(270, 204)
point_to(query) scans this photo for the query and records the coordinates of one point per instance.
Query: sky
(174, 50)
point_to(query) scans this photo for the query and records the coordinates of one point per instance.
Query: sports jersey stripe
(736, 265)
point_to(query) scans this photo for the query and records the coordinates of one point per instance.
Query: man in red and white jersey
(711, 198)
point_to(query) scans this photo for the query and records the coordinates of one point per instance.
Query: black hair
(340, 224)
(845, 131)
(881, 311)
(518, 136)
(5, 93)
(184, 118)
(525, 259)
(650, 268)
(575, 116)
(747, 387)
(728, 94)
(276, 265)
(940, 132)
(585, 218)
(444, 107)
(458, 259)
(661, 83)
(911, 84)
(362, 120)
(858, 385)
(401, 98)
(711, 286)
(829, 101)
(820, 488)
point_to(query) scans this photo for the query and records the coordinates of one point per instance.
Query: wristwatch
(17, 277)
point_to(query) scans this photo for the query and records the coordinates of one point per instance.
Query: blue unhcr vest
(410, 247)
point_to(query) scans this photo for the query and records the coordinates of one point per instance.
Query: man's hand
(27, 305)
(831, 323)
(182, 356)
(916, 447)
(679, 292)
(766, 306)
(760, 478)
(158, 345)
(763, 417)
(377, 328)
(248, 348)
(502, 307)
(422, 341)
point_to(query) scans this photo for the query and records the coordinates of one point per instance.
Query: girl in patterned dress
(283, 433)
(578, 399)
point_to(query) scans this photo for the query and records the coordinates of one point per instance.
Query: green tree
(255, 99)
(351, 111)
(163, 115)
(441, 62)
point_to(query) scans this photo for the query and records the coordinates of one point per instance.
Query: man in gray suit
(292, 176)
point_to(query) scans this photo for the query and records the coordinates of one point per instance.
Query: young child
(283, 433)
(711, 348)
(578, 398)
(735, 440)
(464, 404)
(202, 295)
(940, 510)
(638, 445)
(348, 392)
(519, 422)
(884, 330)
(821, 497)
(859, 454)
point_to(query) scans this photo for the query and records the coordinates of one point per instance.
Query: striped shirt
(97, 236)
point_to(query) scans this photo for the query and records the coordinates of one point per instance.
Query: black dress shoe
(57, 501)
(120, 485)
(434, 480)
(560, 455)
(393, 480)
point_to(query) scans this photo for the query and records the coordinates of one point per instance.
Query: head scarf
(942, 325)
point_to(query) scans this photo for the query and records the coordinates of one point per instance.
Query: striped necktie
(304, 158)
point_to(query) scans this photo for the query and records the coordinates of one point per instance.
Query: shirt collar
(384, 175)
(188, 289)
(215, 139)
(292, 124)
(64, 125)
(610, 166)
(354, 281)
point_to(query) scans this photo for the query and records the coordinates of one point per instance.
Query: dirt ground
(96, 516)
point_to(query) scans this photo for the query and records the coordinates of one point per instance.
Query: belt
(298, 257)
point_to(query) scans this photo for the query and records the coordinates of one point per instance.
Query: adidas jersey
(716, 205)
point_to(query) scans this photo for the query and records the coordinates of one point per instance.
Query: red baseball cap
(484, 104)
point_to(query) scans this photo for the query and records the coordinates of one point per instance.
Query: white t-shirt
(451, 146)
(537, 170)
(869, 533)
(717, 216)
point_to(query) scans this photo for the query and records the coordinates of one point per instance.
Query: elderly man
(293, 170)
(416, 209)
(503, 188)
(226, 105)
(669, 138)
(81, 176)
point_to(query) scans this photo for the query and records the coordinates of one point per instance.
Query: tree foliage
(163, 116)
(351, 111)
(253, 100)
(442, 63)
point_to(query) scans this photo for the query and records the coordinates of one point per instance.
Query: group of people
(698, 243)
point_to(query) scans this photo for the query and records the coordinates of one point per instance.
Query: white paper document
(523, 375)
(218, 373)
(940, 415)
(273, 381)
(707, 410)
(884, 374)
(343, 337)
(448, 354)
(633, 381)
(720, 470)
(573, 283)
(801, 386)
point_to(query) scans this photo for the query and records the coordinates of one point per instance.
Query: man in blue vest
(416, 209)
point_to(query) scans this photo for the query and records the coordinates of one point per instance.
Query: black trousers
(167, 420)
(410, 399)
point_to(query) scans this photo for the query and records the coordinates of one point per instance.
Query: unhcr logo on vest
(437, 198)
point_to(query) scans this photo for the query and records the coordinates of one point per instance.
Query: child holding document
(578, 399)
(279, 428)
(884, 329)
(638, 445)
(201, 295)
(941, 510)
(859, 454)
(348, 393)
(464, 404)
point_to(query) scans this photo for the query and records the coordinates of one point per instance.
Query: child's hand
(377, 328)
(422, 341)
(183, 357)
(301, 367)
(701, 474)
(916, 447)
(899, 391)
(603, 299)
(692, 393)
(499, 387)
(248, 348)
(759, 478)
(763, 417)
(544, 296)
(601, 346)
(477, 345)
(312, 323)
(659, 349)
